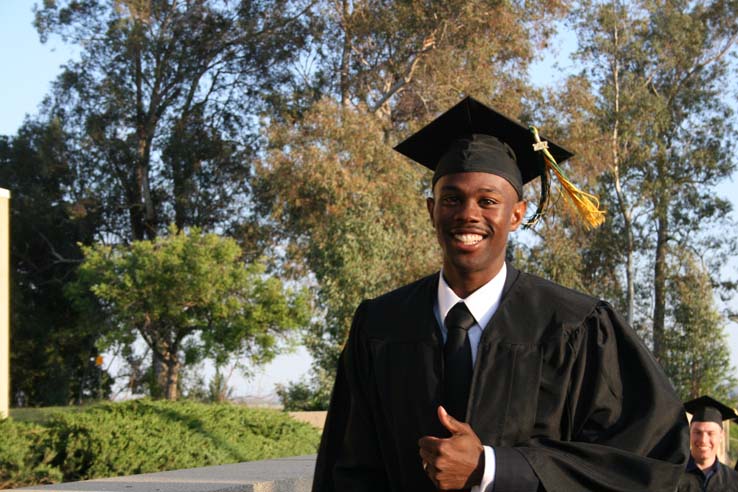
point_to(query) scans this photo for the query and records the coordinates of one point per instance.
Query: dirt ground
(316, 419)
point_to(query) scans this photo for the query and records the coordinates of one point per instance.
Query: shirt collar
(692, 466)
(482, 303)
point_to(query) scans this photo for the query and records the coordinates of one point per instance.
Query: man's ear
(429, 202)
(518, 214)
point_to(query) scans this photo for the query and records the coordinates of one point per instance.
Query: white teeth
(469, 239)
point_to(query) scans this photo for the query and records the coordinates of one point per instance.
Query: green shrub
(307, 394)
(147, 436)
(24, 458)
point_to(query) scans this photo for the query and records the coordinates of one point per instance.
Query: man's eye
(487, 202)
(450, 200)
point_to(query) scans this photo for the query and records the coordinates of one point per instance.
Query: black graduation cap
(474, 137)
(458, 141)
(706, 409)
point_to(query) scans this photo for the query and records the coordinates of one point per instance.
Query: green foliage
(160, 105)
(349, 210)
(649, 119)
(661, 136)
(145, 436)
(216, 390)
(353, 213)
(153, 123)
(307, 395)
(51, 356)
(697, 359)
(190, 297)
(141, 437)
(404, 60)
(24, 459)
(157, 123)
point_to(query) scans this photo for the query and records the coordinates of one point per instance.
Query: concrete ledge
(281, 475)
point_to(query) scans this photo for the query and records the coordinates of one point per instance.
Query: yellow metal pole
(4, 303)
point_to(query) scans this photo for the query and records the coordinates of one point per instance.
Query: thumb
(450, 423)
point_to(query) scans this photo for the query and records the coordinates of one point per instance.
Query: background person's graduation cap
(706, 409)
(474, 137)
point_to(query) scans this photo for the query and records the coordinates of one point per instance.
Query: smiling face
(472, 213)
(705, 439)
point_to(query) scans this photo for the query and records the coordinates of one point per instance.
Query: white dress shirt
(482, 304)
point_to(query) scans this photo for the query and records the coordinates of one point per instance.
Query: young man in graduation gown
(705, 472)
(483, 377)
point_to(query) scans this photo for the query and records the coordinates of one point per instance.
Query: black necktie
(458, 361)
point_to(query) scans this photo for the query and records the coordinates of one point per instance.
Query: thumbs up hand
(456, 462)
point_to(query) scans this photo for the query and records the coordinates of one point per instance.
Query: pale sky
(28, 69)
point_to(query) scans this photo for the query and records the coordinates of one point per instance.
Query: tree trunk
(181, 179)
(659, 276)
(160, 373)
(625, 211)
(166, 369)
(142, 213)
(172, 386)
(345, 55)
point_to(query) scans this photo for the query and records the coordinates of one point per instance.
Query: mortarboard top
(474, 137)
(468, 121)
(706, 409)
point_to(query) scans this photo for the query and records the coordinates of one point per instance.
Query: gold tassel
(586, 204)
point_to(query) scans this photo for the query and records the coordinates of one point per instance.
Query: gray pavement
(280, 475)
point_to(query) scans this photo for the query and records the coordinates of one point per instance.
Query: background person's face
(705, 439)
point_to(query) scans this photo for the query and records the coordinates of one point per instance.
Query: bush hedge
(23, 457)
(144, 436)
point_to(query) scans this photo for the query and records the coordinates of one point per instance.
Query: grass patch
(39, 415)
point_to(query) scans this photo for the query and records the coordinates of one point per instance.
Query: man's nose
(469, 210)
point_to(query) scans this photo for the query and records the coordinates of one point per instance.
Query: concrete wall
(4, 303)
(280, 475)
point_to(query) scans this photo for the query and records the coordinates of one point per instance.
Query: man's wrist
(489, 465)
(478, 474)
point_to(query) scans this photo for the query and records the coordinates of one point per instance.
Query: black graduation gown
(564, 391)
(724, 480)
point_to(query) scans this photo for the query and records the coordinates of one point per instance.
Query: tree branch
(429, 43)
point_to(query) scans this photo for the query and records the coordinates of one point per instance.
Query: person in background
(705, 472)
(484, 377)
